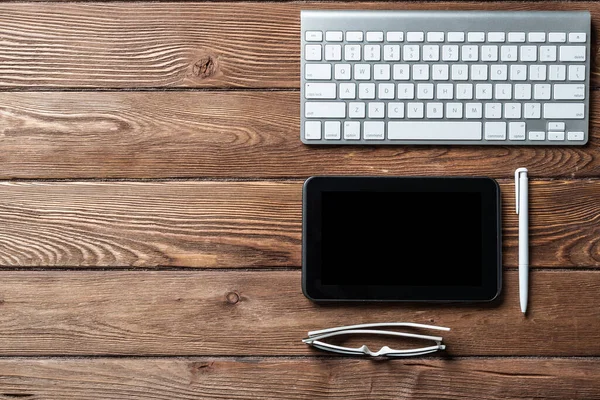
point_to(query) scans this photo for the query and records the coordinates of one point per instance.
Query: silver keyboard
(444, 77)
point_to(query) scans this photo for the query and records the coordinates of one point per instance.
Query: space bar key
(433, 130)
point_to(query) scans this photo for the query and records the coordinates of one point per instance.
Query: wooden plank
(210, 378)
(174, 45)
(232, 313)
(238, 224)
(231, 135)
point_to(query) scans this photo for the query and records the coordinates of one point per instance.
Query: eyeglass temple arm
(377, 325)
(311, 339)
(384, 351)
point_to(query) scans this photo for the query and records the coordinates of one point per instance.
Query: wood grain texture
(255, 378)
(239, 224)
(264, 313)
(149, 45)
(231, 135)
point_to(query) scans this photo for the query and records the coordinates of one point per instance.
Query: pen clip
(518, 185)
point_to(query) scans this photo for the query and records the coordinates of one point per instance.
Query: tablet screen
(401, 238)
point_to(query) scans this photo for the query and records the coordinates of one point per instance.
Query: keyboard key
(499, 72)
(564, 110)
(503, 91)
(518, 72)
(536, 37)
(342, 71)
(440, 72)
(366, 91)
(575, 136)
(569, 92)
(496, 37)
(572, 53)
(495, 131)
(556, 136)
(450, 53)
(473, 110)
(445, 91)
(406, 91)
(576, 72)
(312, 130)
(312, 52)
(537, 135)
(469, 53)
(516, 37)
(516, 130)
(356, 110)
(454, 110)
(420, 72)
(415, 37)
(410, 52)
(353, 36)
(532, 111)
(333, 130)
(493, 110)
(352, 130)
(489, 53)
(395, 110)
(434, 130)
(386, 91)
(334, 36)
(537, 72)
(425, 91)
(395, 36)
(414, 110)
(324, 109)
(523, 91)
(460, 72)
(376, 110)
(483, 91)
(314, 36)
(435, 110)
(512, 110)
(381, 72)
(347, 91)
(372, 52)
(558, 72)
(431, 53)
(362, 72)
(333, 52)
(541, 91)
(374, 130)
(317, 71)
(352, 52)
(508, 53)
(479, 72)
(556, 126)
(464, 91)
(577, 37)
(401, 72)
(320, 91)
(456, 37)
(475, 37)
(557, 37)
(374, 36)
(528, 53)
(435, 37)
(391, 52)
(548, 53)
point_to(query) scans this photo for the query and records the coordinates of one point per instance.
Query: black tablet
(401, 239)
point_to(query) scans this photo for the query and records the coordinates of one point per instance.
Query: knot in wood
(205, 67)
(232, 297)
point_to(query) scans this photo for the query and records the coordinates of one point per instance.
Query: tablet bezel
(491, 246)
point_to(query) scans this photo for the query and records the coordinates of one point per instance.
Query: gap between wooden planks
(230, 313)
(174, 45)
(311, 379)
(232, 134)
(202, 224)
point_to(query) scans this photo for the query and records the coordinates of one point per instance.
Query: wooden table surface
(150, 219)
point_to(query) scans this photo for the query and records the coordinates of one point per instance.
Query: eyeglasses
(314, 339)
